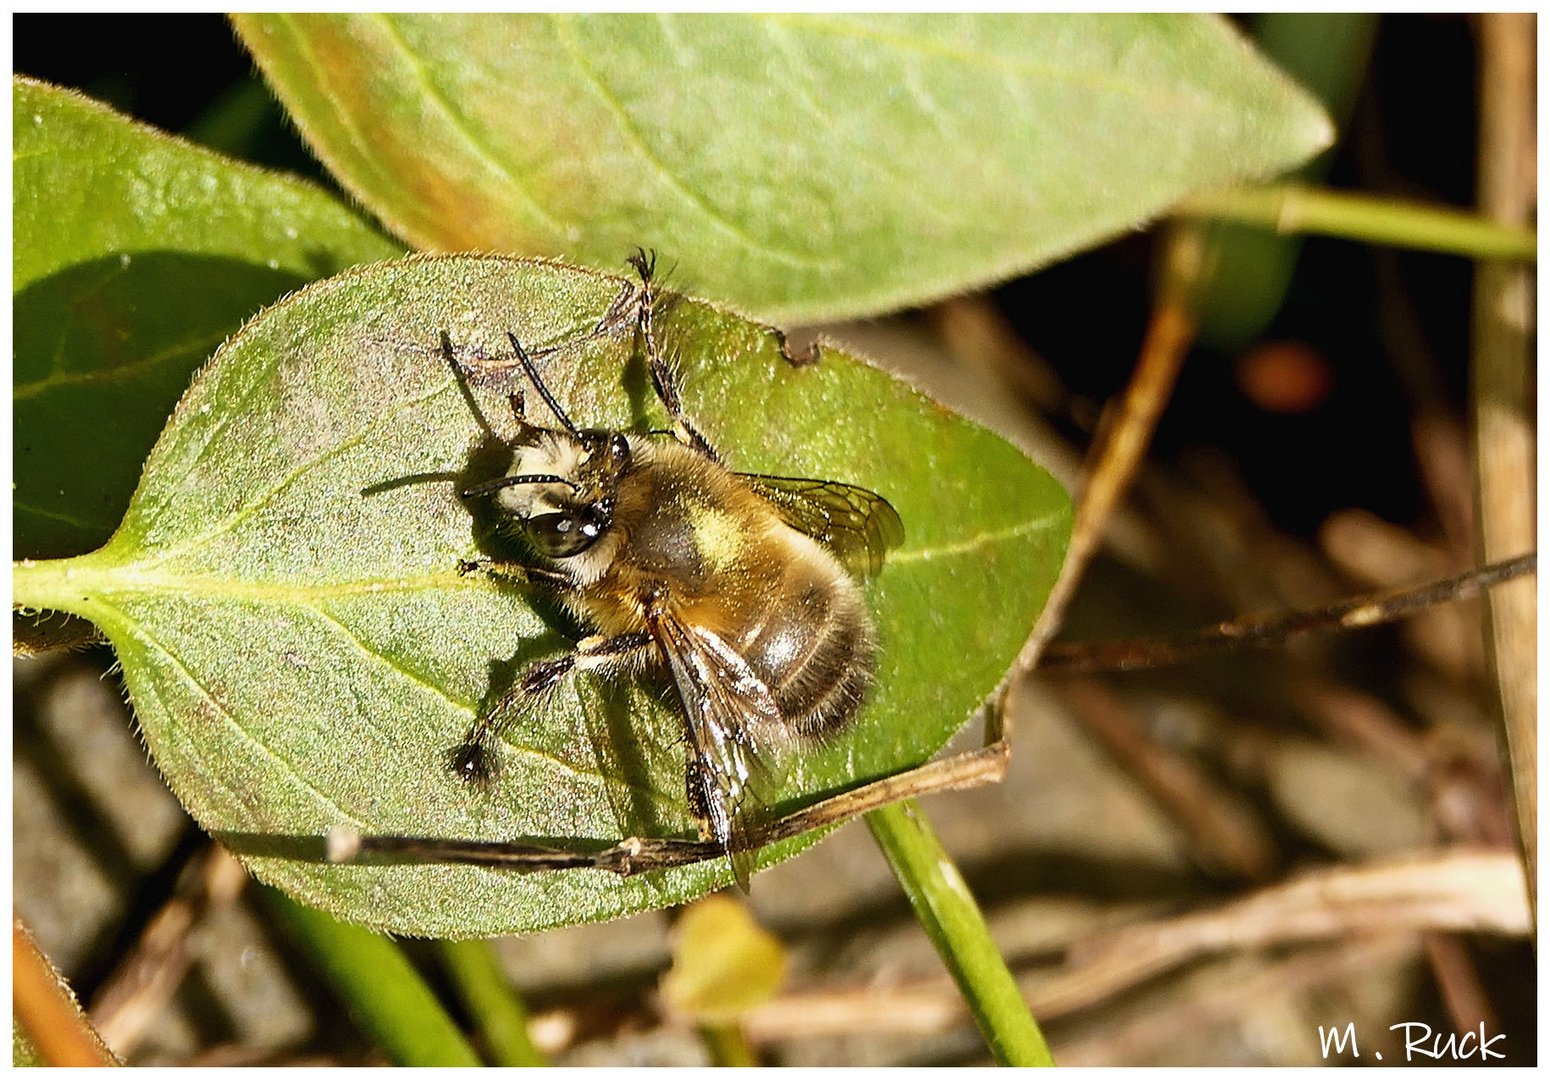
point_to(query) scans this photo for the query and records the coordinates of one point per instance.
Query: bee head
(561, 488)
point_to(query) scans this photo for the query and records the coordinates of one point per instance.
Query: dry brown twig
(1122, 444)
(1275, 628)
(1462, 889)
(1379, 555)
(1457, 890)
(1504, 405)
(1167, 1026)
(145, 979)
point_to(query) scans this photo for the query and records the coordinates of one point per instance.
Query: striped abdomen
(812, 645)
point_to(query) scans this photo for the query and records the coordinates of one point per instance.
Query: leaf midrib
(126, 578)
(175, 664)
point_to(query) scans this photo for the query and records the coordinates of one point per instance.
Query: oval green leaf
(134, 255)
(813, 166)
(301, 650)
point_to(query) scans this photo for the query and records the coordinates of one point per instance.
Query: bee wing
(856, 524)
(726, 707)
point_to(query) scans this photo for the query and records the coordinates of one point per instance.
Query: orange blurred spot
(1285, 376)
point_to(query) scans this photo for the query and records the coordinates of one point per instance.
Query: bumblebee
(743, 588)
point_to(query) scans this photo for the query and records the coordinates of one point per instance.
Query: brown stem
(1117, 454)
(637, 855)
(46, 1010)
(145, 980)
(1460, 889)
(1503, 380)
(1276, 628)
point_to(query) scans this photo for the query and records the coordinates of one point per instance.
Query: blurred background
(1316, 447)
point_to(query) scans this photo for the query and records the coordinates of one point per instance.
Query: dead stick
(1274, 629)
(1502, 376)
(1117, 454)
(1475, 891)
(144, 981)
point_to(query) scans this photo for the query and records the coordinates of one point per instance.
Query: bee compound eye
(560, 536)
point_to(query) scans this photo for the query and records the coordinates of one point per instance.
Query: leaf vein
(1150, 95)
(57, 378)
(975, 542)
(287, 766)
(392, 665)
(383, 182)
(637, 137)
(459, 123)
(233, 409)
(58, 515)
(416, 680)
(264, 498)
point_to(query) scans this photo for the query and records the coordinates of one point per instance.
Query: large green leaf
(801, 166)
(301, 649)
(134, 255)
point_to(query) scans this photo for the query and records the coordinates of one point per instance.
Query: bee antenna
(543, 391)
(502, 482)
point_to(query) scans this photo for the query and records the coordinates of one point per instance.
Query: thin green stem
(1293, 208)
(382, 990)
(492, 1001)
(728, 1046)
(952, 920)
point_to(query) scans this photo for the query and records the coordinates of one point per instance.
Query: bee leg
(622, 315)
(699, 804)
(662, 378)
(598, 652)
(474, 759)
(516, 573)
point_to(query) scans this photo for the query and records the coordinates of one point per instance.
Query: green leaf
(135, 254)
(301, 650)
(24, 1054)
(803, 167)
(1250, 270)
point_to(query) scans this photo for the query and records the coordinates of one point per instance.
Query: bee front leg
(474, 760)
(515, 573)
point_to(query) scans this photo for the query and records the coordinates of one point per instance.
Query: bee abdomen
(831, 688)
(817, 657)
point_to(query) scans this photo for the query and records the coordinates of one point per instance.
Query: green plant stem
(728, 1046)
(953, 921)
(492, 1001)
(1248, 270)
(1293, 208)
(382, 990)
